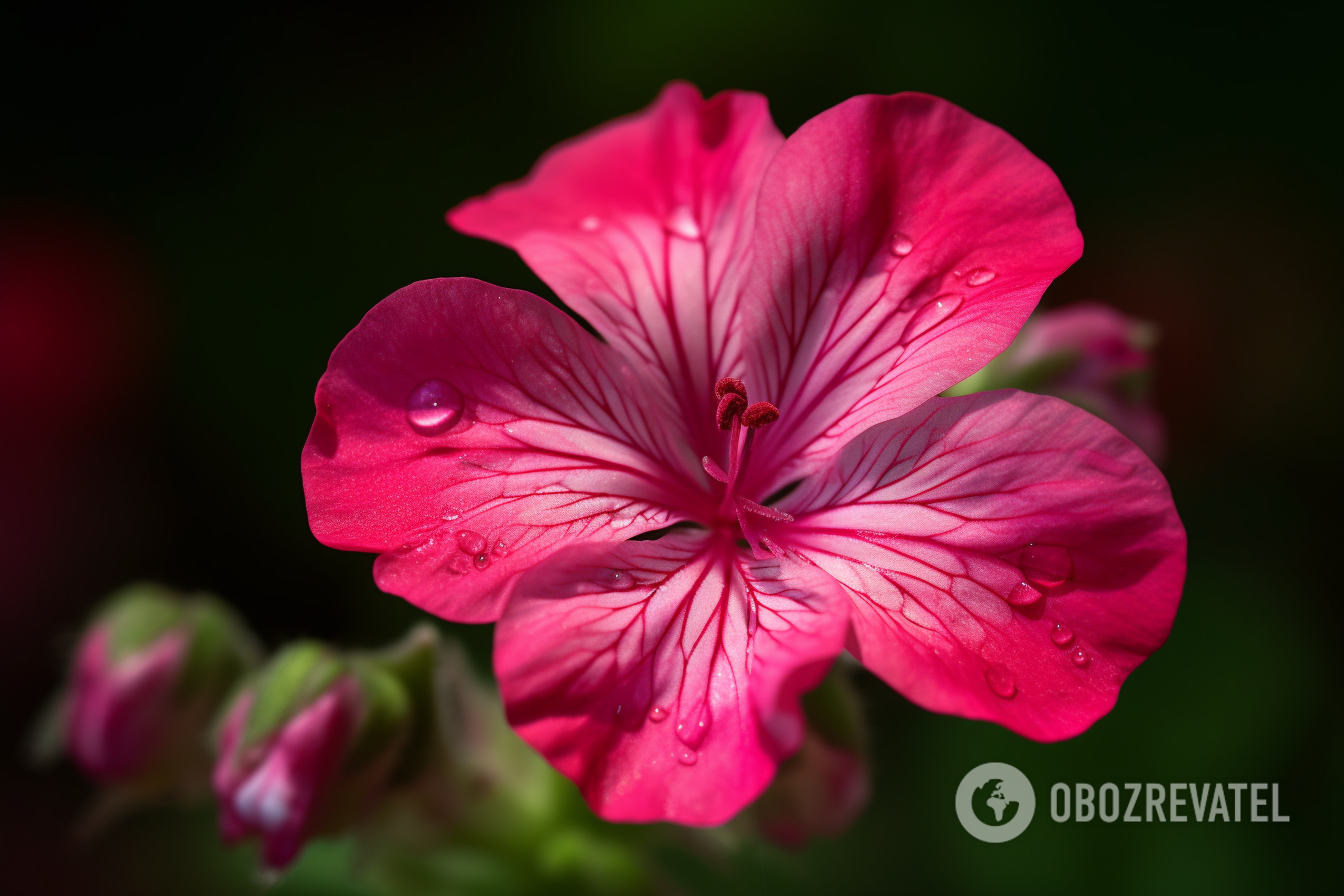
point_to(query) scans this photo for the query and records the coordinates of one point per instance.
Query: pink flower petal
(1009, 557)
(289, 781)
(641, 226)
(900, 243)
(466, 432)
(663, 676)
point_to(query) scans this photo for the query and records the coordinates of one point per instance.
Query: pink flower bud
(120, 709)
(275, 789)
(819, 792)
(1090, 355)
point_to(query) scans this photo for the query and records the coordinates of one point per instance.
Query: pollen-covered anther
(762, 413)
(730, 405)
(730, 384)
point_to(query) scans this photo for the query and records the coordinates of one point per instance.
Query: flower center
(742, 419)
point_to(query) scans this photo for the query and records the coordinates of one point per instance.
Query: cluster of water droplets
(475, 551)
(933, 312)
(1043, 566)
(690, 733)
(1062, 635)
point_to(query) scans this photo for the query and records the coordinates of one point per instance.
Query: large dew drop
(617, 580)
(1061, 634)
(1079, 657)
(1046, 564)
(687, 756)
(433, 407)
(979, 277)
(901, 245)
(1000, 681)
(657, 714)
(691, 732)
(931, 315)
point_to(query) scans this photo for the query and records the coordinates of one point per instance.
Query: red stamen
(730, 384)
(762, 413)
(734, 413)
(730, 405)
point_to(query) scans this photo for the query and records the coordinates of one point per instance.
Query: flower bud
(149, 674)
(306, 747)
(822, 788)
(1090, 355)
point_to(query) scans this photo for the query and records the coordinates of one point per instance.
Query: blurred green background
(254, 181)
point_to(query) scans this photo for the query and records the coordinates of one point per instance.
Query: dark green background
(278, 173)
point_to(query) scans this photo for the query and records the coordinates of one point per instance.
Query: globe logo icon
(992, 805)
(995, 802)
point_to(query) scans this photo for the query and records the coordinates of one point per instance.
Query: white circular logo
(995, 802)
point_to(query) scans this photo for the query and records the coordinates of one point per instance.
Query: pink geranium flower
(1001, 556)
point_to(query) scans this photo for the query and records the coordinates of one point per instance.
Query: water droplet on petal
(433, 407)
(1061, 634)
(618, 580)
(590, 223)
(481, 560)
(901, 245)
(1000, 681)
(979, 277)
(451, 514)
(1079, 656)
(682, 223)
(687, 756)
(931, 315)
(1023, 595)
(501, 548)
(470, 542)
(459, 564)
(692, 732)
(657, 714)
(1046, 564)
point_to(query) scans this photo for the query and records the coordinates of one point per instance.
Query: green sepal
(414, 662)
(386, 715)
(138, 615)
(297, 676)
(220, 650)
